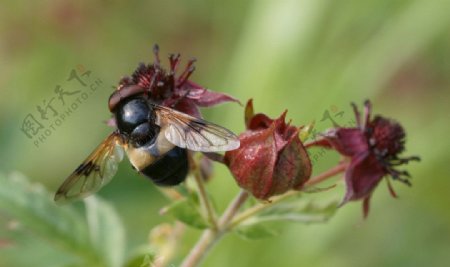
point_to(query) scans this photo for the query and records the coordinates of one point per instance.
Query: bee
(154, 137)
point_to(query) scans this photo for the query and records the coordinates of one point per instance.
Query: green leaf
(269, 222)
(299, 211)
(143, 256)
(257, 231)
(106, 230)
(61, 227)
(187, 211)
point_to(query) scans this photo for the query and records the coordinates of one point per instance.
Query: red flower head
(271, 159)
(373, 148)
(165, 88)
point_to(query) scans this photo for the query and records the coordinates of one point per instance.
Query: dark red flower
(373, 148)
(271, 159)
(168, 89)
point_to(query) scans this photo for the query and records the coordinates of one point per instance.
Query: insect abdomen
(169, 170)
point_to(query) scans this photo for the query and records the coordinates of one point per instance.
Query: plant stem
(211, 236)
(327, 174)
(204, 244)
(233, 208)
(319, 142)
(203, 196)
(204, 199)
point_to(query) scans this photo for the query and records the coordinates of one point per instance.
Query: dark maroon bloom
(168, 89)
(271, 159)
(373, 148)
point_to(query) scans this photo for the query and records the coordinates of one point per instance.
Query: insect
(154, 137)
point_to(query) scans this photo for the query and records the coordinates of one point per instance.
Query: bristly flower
(373, 148)
(271, 159)
(167, 89)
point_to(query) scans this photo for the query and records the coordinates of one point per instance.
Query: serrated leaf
(31, 206)
(299, 211)
(187, 211)
(269, 222)
(61, 227)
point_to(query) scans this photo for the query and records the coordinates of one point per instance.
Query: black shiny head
(135, 119)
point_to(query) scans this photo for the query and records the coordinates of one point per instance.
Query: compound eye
(144, 133)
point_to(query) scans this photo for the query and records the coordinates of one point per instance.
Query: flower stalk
(211, 236)
(203, 196)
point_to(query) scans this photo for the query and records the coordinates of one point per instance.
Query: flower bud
(271, 159)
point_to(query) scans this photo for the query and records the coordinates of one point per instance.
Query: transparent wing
(192, 133)
(95, 171)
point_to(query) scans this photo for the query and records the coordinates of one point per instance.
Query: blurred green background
(307, 56)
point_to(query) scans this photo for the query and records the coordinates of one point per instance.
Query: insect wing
(95, 171)
(193, 133)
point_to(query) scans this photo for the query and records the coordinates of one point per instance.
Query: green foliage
(258, 230)
(299, 211)
(106, 231)
(270, 222)
(142, 257)
(187, 210)
(99, 242)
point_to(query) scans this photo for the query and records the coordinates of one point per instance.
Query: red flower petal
(259, 121)
(253, 163)
(204, 97)
(348, 141)
(187, 106)
(249, 113)
(391, 189)
(293, 167)
(362, 176)
(366, 206)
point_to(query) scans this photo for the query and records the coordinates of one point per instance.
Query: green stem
(203, 196)
(204, 199)
(211, 236)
